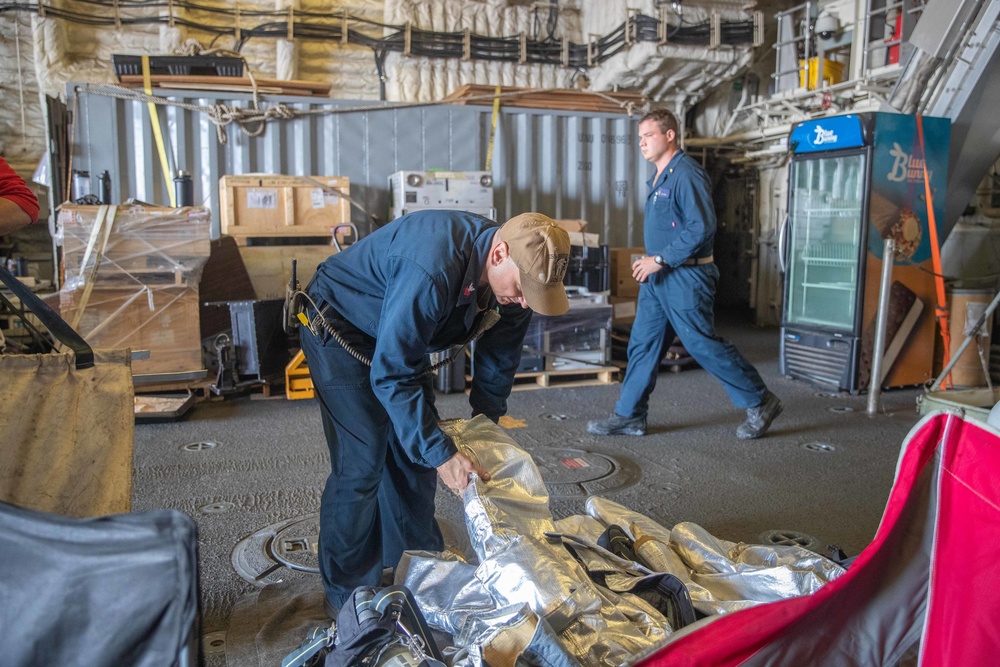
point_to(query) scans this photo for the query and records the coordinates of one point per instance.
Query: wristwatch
(659, 260)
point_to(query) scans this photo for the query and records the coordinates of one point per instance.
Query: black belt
(691, 261)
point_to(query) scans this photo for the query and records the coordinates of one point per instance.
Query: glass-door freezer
(826, 248)
(826, 242)
(855, 180)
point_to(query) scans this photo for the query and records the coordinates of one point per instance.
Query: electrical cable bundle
(404, 39)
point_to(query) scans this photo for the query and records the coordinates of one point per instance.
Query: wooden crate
(587, 377)
(161, 319)
(146, 244)
(270, 267)
(282, 206)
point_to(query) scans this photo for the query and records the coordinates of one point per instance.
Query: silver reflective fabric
(721, 576)
(522, 572)
(445, 577)
(527, 600)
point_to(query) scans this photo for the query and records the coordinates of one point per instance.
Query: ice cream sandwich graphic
(905, 308)
(899, 223)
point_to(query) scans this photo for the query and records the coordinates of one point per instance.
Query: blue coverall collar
(650, 185)
(477, 262)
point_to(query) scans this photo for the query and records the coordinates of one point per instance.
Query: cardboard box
(162, 319)
(623, 309)
(265, 205)
(572, 225)
(577, 235)
(584, 240)
(622, 282)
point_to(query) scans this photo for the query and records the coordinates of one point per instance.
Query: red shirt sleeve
(14, 188)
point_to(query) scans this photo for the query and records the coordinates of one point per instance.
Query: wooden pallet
(585, 377)
(157, 408)
(268, 390)
(202, 389)
(197, 387)
(107, 273)
(559, 99)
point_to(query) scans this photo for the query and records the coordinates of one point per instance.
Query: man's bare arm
(12, 216)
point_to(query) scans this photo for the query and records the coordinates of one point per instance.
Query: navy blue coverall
(679, 300)
(405, 290)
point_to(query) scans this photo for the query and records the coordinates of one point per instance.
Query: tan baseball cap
(540, 249)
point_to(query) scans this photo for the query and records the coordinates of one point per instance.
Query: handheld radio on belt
(293, 302)
(293, 308)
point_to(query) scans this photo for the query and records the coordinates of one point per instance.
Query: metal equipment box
(578, 340)
(256, 347)
(589, 268)
(470, 191)
(261, 347)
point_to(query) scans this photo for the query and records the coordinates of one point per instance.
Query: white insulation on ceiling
(41, 54)
(667, 73)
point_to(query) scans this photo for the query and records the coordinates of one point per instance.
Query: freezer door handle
(783, 244)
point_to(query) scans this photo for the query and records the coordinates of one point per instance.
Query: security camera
(826, 26)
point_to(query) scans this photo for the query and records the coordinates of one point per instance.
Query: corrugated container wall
(565, 164)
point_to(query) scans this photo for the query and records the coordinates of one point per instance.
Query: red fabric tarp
(932, 570)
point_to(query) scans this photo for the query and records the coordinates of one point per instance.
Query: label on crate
(262, 198)
(322, 199)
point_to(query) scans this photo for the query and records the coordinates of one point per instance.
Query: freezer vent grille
(823, 366)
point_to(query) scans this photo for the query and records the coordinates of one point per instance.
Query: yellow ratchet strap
(493, 130)
(154, 119)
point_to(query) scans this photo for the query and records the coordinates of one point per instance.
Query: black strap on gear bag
(376, 626)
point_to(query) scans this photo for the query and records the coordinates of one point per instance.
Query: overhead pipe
(739, 137)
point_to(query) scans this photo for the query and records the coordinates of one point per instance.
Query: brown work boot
(759, 418)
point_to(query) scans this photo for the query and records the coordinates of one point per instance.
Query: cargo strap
(154, 119)
(100, 232)
(941, 312)
(493, 131)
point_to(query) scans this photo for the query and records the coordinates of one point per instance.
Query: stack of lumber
(562, 99)
(234, 84)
